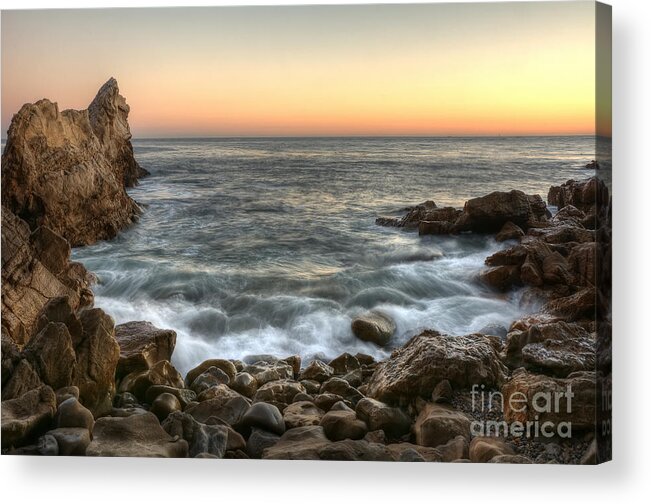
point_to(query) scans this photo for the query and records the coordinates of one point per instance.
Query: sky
(437, 69)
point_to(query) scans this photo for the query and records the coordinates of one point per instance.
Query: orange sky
(446, 69)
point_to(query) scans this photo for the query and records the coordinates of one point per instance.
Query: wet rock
(71, 440)
(68, 170)
(483, 449)
(265, 372)
(375, 327)
(487, 214)
(211, 377)
(201, 438)
(134, 436)
(417, 367)
(263, 416)
(580, 194)
(344, 364)
(244, 384)
(27, 416)
(378, 416)
(71, 413)
(164, 405)
(437, 424)
(502, 278)
(413, 217)
(581, 304)
(142, 345)
(224, 365)
(295, 362)
(317, 371)
(302, 414)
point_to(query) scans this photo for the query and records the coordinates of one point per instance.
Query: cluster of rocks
(73, 383)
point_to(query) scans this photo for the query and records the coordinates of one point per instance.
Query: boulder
(201, 438)
(487, 214)
(502, 278)
(161, 373)
(262, 416)
(71, 440)
(326, 401)
(538, 398)
(211, 377)
(265, 372)
(317, 371)
(344, 364)
(379, 416)
(226, 404)
(279, 393)
(417, 367)
(339, 424)
(142, 345)
(67, 170)
(71, 413)
(224, 365)
(580, 194)
(341, 388)
(164, 405)
(483, 449)
(301, 443)
(244, 384)
(437, 424)
(509, 231)
(375, 327)
(456, 448)
(97, 356)
(302, 414)
(52, 355)
(185, 396)
(20, 380)
(134, 436)
(27, 416)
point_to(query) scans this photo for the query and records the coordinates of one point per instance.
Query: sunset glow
(455, 69)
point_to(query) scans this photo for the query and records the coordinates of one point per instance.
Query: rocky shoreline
(74, 383)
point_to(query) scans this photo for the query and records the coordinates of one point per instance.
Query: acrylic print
(355, 232)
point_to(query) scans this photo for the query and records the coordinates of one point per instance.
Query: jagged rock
(583, 262)
(162, 373)
(227, 405)
(222, 364)
(27, 416)
(344, 364)
(52, 355)
(581, 304)
(201, 438)
(582, 195)
(36, 269)
(379, 416)
(134, 436)
(71, 440)
(302, 414)
(582, 408)
(501, 278)
(211, 377)
(375, 327)
(414, 369)
(142, 345)
(437, 424)
(68, 170)
(342, 388)
(23, 379)
(555, 348)
(317, 371)
(487, 214)
(97, 356)
(413, 217)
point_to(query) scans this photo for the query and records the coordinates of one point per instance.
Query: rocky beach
(76, 383)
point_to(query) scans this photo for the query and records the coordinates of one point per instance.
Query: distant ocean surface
(269, 246)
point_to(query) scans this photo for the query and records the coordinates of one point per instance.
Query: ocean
(269, 245)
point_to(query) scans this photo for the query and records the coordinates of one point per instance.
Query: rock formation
(67, 170)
